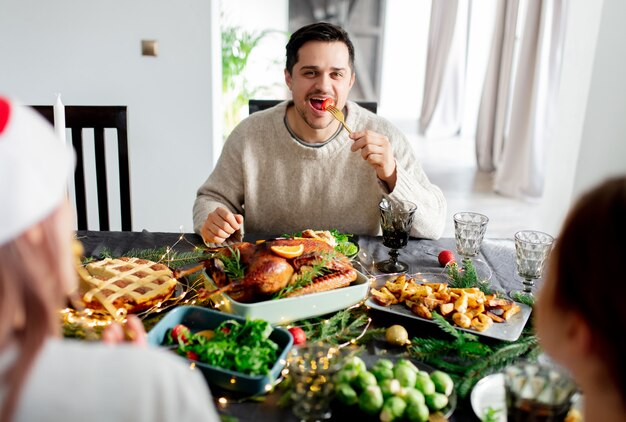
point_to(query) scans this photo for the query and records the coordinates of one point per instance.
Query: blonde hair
(31, 293)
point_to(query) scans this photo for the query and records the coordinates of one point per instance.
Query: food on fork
(328, 102)
(128, 283)
(251, 273)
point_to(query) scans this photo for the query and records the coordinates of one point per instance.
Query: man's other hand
(220, 224)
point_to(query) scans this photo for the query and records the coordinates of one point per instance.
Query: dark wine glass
(396, 219)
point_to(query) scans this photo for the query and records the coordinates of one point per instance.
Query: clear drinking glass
(537, 392)
(531, 250)
(311, 369)
(469, 231)
(396, 219)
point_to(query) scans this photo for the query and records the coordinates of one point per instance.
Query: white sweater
(75, 380)
(281, 186)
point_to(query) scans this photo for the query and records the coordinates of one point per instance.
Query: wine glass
(396, 219)
(469, 231)
(531, 250)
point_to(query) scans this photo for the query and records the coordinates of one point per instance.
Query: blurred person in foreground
(294, 166)
(580, 315)
(42, 375)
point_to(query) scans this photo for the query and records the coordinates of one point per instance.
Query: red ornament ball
(298, 335)
(446, 257)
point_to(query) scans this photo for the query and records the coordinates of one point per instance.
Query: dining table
(496, 261)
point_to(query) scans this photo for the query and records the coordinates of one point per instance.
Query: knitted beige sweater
(281, 186)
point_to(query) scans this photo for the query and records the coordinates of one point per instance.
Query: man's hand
(220, 224)
(376, 150)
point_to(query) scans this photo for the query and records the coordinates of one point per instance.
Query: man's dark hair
(319, 31)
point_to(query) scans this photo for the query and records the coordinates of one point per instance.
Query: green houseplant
(237, 45)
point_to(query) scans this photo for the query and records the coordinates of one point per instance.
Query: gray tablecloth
(497, 257)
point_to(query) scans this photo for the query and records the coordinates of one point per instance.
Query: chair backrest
(257, 105)
(97, 118)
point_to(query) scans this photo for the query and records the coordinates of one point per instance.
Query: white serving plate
(508, 331)
(283, 311)
(489, 393)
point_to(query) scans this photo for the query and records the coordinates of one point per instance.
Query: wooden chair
(97, 118)
(257, 105)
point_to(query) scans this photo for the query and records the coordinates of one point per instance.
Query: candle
(59, 118)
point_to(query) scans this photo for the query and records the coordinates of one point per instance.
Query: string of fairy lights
(192, 293)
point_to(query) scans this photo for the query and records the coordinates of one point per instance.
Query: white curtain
(519, 94)
(444, 83)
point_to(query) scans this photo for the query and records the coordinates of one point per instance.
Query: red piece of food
(180, 333)
(298, 335)
(328, 102)
(192, 355)
(446, 257)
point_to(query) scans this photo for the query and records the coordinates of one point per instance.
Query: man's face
(322, 71)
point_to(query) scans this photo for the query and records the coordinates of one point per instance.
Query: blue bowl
(198, 319)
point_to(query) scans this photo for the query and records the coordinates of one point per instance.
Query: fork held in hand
(337, 114)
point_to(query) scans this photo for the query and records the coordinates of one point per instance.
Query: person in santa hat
(42, 375)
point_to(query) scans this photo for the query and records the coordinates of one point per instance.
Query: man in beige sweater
(294, 166)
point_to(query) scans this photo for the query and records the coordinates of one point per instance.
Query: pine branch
(343, 326)
(169, 257)
(446, 326)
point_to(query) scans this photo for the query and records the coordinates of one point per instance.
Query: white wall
(402, 83)
(603, 145)
(589, 138)
(90, 52)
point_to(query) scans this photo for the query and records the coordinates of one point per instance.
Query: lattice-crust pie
(131, 283)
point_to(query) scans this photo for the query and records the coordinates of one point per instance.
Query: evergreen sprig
(342, 327)
(524, 298)
(466, 358)
(467, 277)
(304, 279)
(233, 267)
(171, 258)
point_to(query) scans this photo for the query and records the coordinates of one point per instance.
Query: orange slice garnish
(288, 251)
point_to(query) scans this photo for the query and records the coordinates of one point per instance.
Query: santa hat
(34, 169)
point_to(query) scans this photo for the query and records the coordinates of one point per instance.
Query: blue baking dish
(198, 319)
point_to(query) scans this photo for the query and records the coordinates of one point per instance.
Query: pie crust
(127, 283)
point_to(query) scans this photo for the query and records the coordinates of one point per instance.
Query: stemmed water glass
(469, 231)
(531, 250)
(396, 219)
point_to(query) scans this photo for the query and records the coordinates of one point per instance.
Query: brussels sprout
(416, 412)
(346, 394)
(381, 373)
(355, 362)
(436, 401)
(443, 382)
(364, 379)
(406, 362)
(383, 363)
(346, 376)
(424, 383)
(393, 409)
(390, 387)
(413, 396)
(371, 400)
(405, 374)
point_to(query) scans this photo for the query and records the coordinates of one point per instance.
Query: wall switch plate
(149, 48)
